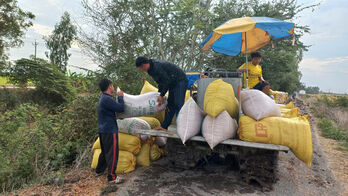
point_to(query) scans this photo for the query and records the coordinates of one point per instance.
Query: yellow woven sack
(155, 152)
(125, 163)
(290, 113)
(149, 88)
(160, 117)
(279, 97)
(95, 158)
(129, 143)
(219, 96)
(126, 142)
(96, 144)
(290, 105)
(143, 158)
(152, 121)
(292, 132)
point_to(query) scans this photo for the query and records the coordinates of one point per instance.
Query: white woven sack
(130, 125)
(216, 130)
(189, 120)
(161, 141)
(258, 105)
(141, 105)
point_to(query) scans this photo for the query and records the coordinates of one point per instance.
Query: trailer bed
(171, 133)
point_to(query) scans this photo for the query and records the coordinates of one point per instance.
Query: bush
(342, 101)
(84, 82)
(329, 130)
(23, 146)
(335, 101)
(48, 80)
(35, 143)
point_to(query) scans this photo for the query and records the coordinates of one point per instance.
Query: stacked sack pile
(271, 123)
(279, 96)
(137, 149)
(216, 121)
(129, 147)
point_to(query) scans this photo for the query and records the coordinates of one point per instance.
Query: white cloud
(43, 30)
(321, 67)
(315, 63)
(323, 35)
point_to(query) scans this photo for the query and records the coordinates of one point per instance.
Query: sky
(325, 64)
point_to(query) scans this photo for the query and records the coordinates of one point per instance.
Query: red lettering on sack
(260, 130)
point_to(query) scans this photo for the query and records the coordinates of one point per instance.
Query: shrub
(342, 101)
(48, 80)
(35, 143)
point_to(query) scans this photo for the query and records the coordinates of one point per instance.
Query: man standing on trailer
(169, 77)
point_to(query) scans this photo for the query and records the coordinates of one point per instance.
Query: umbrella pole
(246, 62)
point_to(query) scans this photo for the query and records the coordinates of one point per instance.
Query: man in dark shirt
(169, 77)
(108, 130)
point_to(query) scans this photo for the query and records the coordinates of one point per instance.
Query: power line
(35, 45)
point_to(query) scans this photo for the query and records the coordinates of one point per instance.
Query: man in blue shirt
(108, 130)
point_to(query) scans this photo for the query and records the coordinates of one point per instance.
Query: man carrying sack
(169, 77)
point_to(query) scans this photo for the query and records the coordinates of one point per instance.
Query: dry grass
(337, 119)
(340, 117)
(332, 112)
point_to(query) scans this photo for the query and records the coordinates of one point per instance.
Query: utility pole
(35, 45)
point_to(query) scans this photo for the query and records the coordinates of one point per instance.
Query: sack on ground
(130, 125)
(141, 105)
(189, 120)
(96, 144)
(258, 105)
(129, 143)
(219, 96)
(96, 154)
(153, 122)
(143, 158)
(292, 132)
(126, 142)
(216, 130)
(155, 152)
(125, 164)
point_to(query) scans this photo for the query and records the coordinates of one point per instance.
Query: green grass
(329, 125)
(330, 130)
(4, 81)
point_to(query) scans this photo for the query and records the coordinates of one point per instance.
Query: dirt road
(294, 178)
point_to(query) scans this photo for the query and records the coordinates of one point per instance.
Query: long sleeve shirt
(166, 74)
(107, 108)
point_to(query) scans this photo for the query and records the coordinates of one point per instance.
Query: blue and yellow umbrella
(229, 38)
(246, 35)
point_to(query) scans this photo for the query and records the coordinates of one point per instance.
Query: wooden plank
(233, 142)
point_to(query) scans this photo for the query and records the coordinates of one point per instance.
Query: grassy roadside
(332, 112)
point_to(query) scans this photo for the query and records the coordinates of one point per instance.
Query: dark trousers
(176, 100)
(260, 85)
(109, 154)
